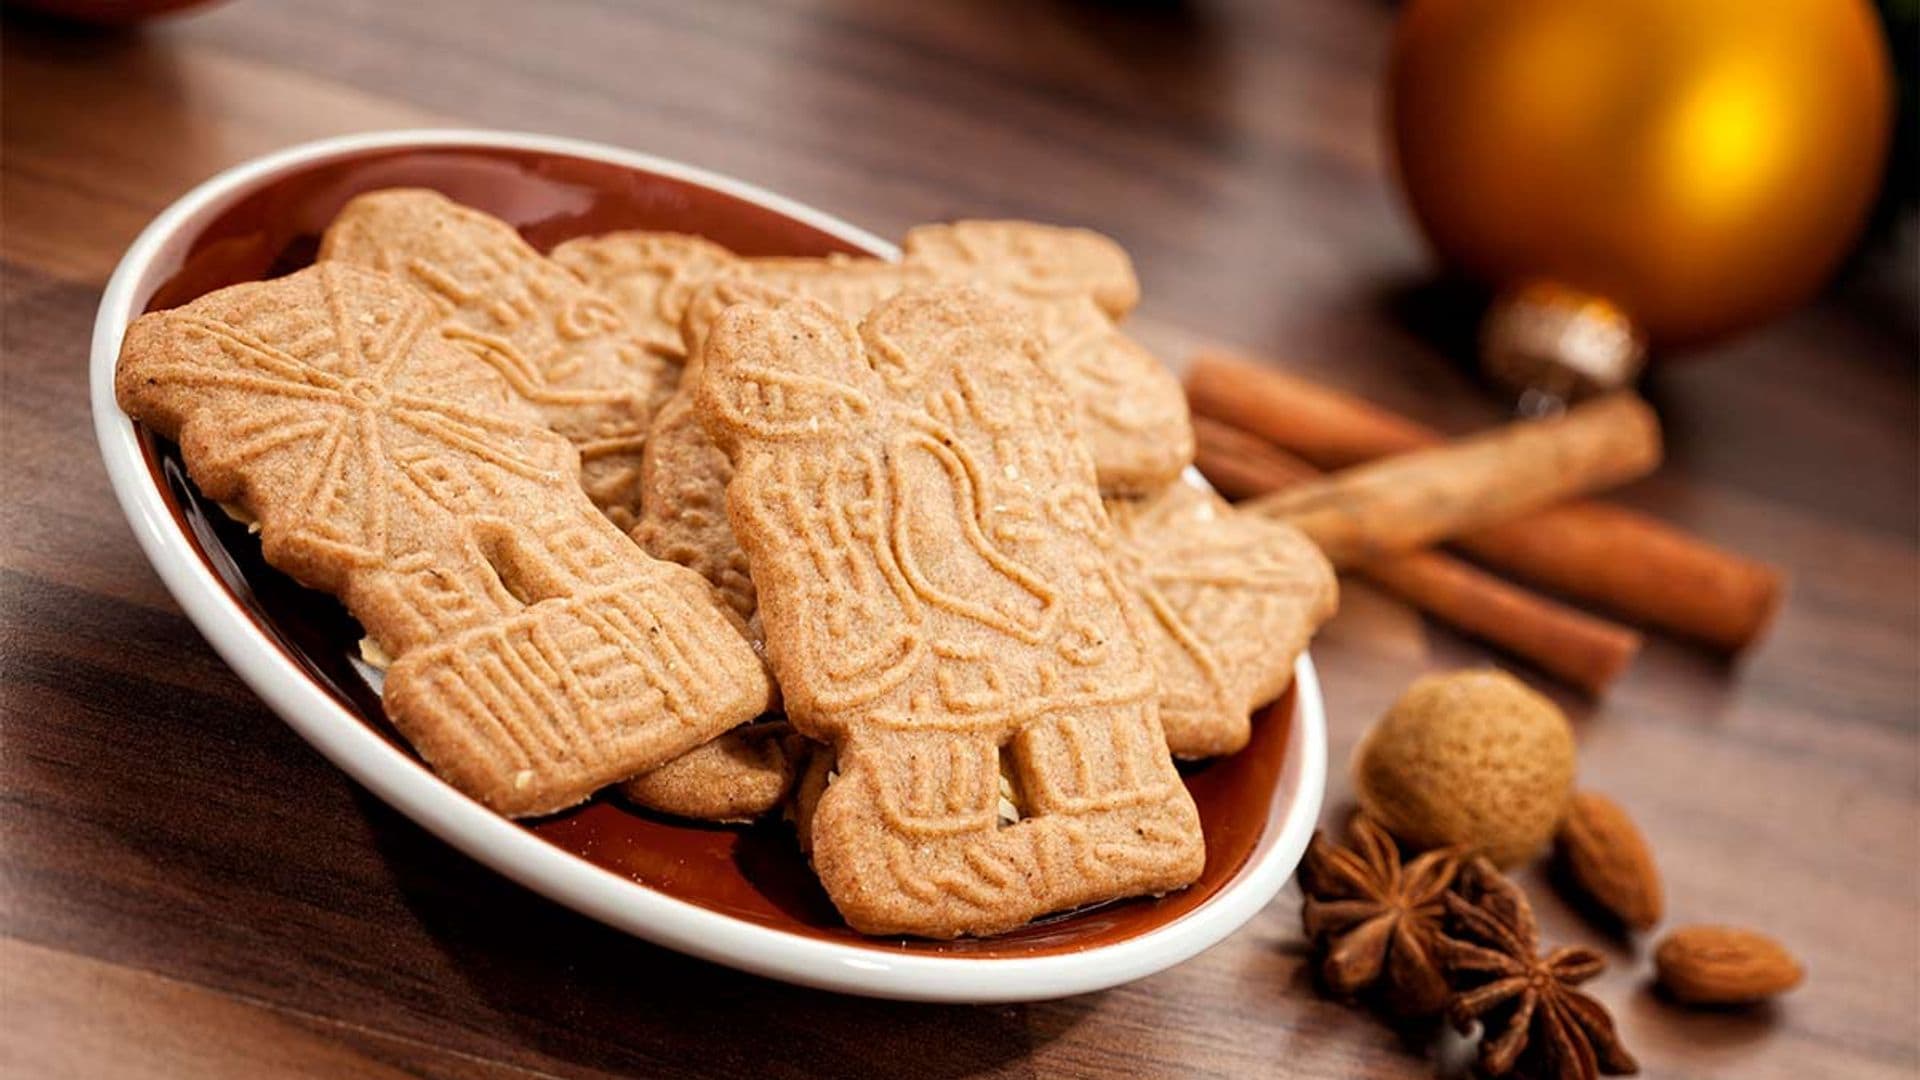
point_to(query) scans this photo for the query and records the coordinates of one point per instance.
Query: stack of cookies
(900, 549)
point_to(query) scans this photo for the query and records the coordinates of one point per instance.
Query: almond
(1724, 965)
(1607, 858)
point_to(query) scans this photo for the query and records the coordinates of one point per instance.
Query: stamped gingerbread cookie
(1229, 602)
(561, 344)
(1038, 262)
(683, 486)
(737, 777)
(932, 562)
(650, 276)
(538, 655)
(1075, 283)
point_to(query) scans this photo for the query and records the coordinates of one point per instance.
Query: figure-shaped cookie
(650, 276)
(1076, 281)
(931, 557)
(561, 344)
(1229, 602)
(538, 654)
(1131, 410)
(741, 774)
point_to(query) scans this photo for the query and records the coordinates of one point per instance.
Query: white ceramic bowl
(243, 637)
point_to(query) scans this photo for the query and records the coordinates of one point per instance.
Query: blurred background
(1243, 152)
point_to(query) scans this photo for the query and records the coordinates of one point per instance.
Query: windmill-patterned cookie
(537, 653)
(650, 276)
(932, 563)
(560, 343)
(1229, 601)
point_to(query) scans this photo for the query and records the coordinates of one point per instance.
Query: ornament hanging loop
(1553, 345)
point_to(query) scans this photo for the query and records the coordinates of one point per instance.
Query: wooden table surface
(187, 889)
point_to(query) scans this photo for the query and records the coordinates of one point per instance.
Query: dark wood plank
(173, 850)
(85, 1019)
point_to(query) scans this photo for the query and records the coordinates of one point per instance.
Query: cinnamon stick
(1241, 465)
(1417, 499)
(1623, 561)
(1580, 649)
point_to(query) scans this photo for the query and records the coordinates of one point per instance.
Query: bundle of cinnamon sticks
(1508, 499)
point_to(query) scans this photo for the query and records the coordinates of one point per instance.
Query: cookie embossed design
(1229, 602)
(561, 344)
(683, 516)
(650, 276)
(1039, 262)
(1132, 412)
(538, 654)
(932, 563)
(1075, 283)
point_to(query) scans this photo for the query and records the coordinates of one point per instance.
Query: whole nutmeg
(1469, 758)
(1724, 965)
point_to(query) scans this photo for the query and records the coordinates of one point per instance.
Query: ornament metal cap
(1545, 340)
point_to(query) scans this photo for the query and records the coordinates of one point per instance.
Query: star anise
(1529, 1011)
(1375, 922)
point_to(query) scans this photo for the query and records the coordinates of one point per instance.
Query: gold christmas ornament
(1695, 166)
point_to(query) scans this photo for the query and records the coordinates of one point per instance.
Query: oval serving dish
(741, 897)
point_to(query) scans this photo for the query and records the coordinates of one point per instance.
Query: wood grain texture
(187, 889)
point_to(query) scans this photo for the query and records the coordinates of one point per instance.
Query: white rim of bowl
(519, 855)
